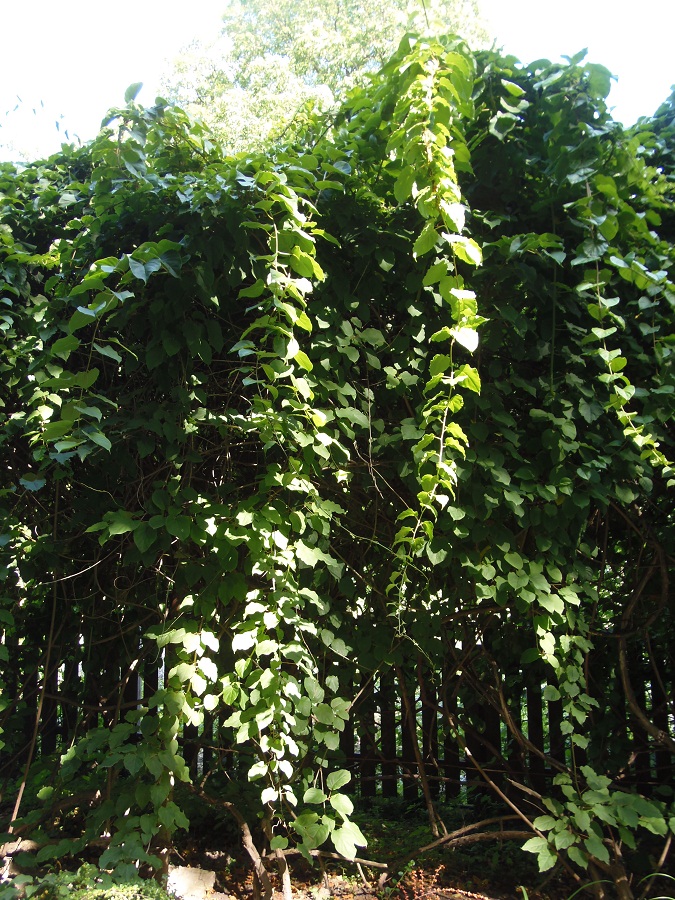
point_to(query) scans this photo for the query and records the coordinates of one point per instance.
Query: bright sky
(635, 43)
(71, 60)
(77, 57)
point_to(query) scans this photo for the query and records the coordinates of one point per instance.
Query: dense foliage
(397, 394)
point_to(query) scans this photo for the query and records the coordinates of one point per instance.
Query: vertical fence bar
(408, 730)
(451, 764)
(388, 734)
(430, 732)
(556, 739)
(50, 708)
(535, 734)
(367, 746)
(663, 759)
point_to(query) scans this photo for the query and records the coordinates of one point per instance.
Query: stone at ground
(188, 883)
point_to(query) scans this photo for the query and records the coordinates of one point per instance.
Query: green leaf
(121, 522)
(467, 337)
(564, 839)
(308, 555)
(343, 843)
(314, 795)
(435, 273)
(341, 804)
(338, 779)
(278, 842)
(255, 290)
(513, 89)
(552, 603)
(439, 364)
(244, 640)
(577, 855)
(144, 536)
(514, 559)
(550, 694)
(269, 795)
(302, 263)
(347, 838)
(32, 482)
(426, 240)
(465, 248)
(179, 526)
(403, 184)
(596, 848)
(64, 346)
(132, 91)
(535, 844)
(303, 360)
(324, 714)
(502, 123)
(546, 857)
(99, 438)
(137, 268)
(314, 690)
(303, 321)
(469, 378)
(92, 411)
(581, 818)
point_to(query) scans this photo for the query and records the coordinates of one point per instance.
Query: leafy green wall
(398, 391)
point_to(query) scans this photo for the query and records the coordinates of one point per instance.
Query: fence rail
(432, 736)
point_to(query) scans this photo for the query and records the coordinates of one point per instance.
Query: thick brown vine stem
(262, 883)
(617, 872)
(282, 865)
(327, 854)
(411, 719)
(656, 674)
(424, 699)
(503, 709)
(661, 737)
(597, 885)
(500, 792)
(38, 713)
(461, 835)
(620, 878)
(659, 866)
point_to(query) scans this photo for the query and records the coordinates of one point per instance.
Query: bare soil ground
(426, 881)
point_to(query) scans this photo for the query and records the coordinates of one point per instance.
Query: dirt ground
(427, 880)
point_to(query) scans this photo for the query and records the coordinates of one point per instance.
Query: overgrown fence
(354, 456)
(413, 731)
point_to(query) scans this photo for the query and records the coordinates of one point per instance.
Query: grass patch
(88, 883)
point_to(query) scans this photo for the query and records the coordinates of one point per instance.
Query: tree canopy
(395, 394)
(276, 63)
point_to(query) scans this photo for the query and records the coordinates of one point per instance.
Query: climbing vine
(275, 424)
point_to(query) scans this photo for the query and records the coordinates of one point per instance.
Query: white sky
(634, 42)
(71, 60)
(78, 57)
